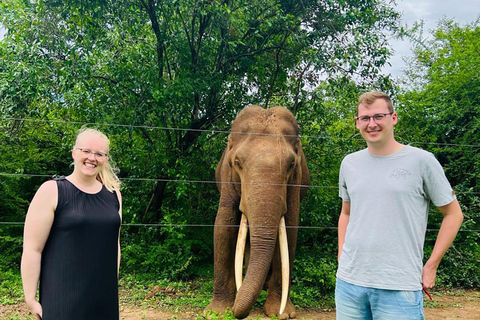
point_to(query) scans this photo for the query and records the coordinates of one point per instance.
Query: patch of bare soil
(454, 305)
(448, 305)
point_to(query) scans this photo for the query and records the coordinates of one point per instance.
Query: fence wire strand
(174, 225)
(28, 175)
(209, 130)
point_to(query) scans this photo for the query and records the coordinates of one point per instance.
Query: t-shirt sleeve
(342, 185)
(437, 187)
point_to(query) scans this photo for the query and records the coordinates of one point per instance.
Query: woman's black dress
(78, 277)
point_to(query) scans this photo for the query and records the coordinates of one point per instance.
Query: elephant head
(260, 178)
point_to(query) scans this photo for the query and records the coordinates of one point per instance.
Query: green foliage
(138, 70)
(165, 293)
(11, 248)
(173, 258)
(228, 315)
(11, 290)
(313, 281)
(444, 108)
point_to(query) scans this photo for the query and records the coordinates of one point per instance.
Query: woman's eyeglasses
(97, 155)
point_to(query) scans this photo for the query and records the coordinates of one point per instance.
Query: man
(386, 190)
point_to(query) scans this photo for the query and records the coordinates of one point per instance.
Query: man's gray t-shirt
(389, 198)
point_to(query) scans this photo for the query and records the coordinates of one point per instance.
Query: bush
(11, 249)
(11, 290)
(152, 254)
(313, 279)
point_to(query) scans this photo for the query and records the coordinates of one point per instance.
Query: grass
(194, 294)
(175, 297)
(165, 294)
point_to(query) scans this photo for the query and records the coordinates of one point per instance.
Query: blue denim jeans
(362, 303)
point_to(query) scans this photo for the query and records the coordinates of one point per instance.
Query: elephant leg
(225, 238)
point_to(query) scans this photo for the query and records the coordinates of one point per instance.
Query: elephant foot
(218, 306)
(272, 307)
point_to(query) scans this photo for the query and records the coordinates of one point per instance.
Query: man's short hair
(369, 98)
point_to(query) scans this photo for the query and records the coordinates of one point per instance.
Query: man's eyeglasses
(97, 155)
(379, 117)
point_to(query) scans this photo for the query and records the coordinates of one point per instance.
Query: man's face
(376, 122)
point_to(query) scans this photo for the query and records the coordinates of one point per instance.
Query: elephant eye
(237, 163)
(292, 164)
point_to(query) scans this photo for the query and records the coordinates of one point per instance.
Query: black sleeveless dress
(78, 278)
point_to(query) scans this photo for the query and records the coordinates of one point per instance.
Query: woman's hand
(36, 309)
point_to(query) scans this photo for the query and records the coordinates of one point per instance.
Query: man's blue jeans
(362, 303)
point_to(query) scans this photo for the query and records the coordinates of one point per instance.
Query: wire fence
(162, 225)
(177, 225)
(213, 131)
(20, 175)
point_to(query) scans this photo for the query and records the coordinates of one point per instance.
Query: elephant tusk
(240, 251)
(282, 237)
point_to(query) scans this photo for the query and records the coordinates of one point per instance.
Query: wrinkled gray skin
(264, 164)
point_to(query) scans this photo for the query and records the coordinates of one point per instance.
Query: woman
(71, 238)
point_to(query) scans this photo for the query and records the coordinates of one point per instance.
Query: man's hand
(429, 275)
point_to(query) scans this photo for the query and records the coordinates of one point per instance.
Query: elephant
(261, 176)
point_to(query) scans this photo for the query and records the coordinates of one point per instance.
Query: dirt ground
(449, 305)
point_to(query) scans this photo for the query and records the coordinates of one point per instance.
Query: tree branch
(150, 8)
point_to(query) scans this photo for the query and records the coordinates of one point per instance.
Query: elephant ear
(229, 142)
(295, 178)
(305, 179)
(301, 175)
(218, 170)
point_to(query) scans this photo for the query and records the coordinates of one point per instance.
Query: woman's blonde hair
(108, 174)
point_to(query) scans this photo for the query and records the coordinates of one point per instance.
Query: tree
(150, 65)
(442, 114)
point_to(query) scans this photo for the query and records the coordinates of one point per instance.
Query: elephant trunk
(262, 247)
(263, 238)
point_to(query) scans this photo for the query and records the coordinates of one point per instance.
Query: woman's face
(90, 154)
